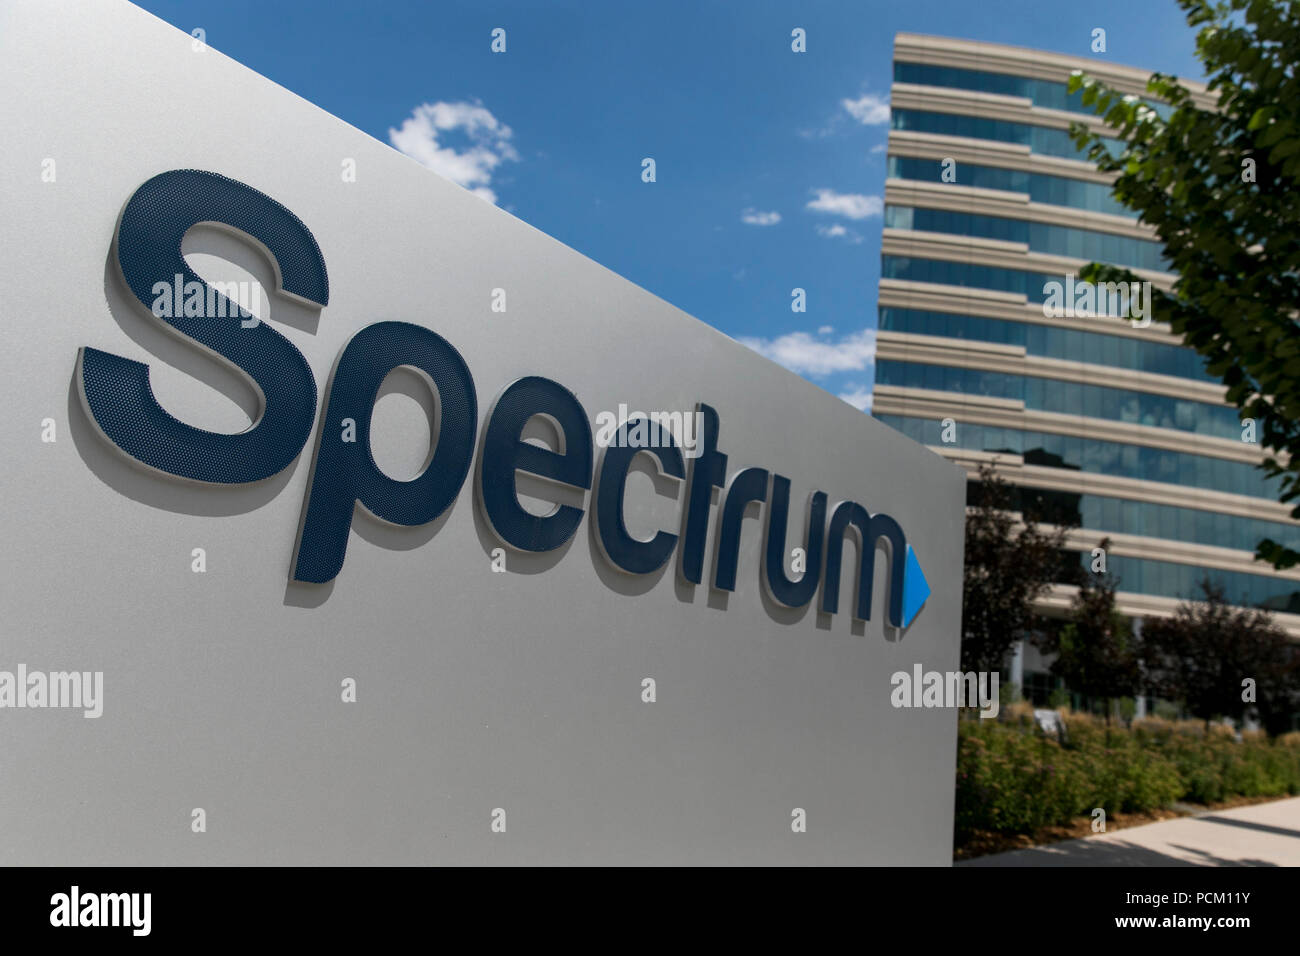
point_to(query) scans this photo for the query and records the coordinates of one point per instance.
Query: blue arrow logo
(916, 589)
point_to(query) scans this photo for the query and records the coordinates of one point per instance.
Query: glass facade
(1043, 140)
(1121, 459)
(1167, 579)
(1039, 236)
(1124, 516)
(1050, 341)
(1051, 395)
(1195, 465)
(1044, 93)
(970, 276)
(1050, 190)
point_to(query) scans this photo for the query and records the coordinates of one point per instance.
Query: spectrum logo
(118, 398)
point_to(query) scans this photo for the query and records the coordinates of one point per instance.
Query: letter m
(1115, 296)
(908, 589)
(119, 904)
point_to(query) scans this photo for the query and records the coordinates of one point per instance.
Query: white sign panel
(314, 556)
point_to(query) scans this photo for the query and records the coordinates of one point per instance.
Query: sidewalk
(1267, 834)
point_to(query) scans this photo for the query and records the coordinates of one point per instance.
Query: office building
(988, 201)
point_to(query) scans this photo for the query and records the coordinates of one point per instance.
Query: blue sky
(770, 165)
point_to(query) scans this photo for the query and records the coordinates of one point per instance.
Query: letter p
(345, 472)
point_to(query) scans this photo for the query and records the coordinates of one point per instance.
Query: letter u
(793, 593)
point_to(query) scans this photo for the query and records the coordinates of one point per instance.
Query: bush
(1013, 779)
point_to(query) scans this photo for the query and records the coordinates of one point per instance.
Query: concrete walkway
(1267, 834)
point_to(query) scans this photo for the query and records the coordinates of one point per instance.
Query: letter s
(116, 390)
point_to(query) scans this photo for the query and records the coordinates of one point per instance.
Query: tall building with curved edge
(1111, 419)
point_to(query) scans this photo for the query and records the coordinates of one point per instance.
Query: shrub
(1013, 779)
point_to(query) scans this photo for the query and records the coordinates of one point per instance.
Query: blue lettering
(118, 397)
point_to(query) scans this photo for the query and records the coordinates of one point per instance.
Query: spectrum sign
(118, 397)
(639, 598)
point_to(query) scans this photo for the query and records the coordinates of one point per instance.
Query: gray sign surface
(481, 696)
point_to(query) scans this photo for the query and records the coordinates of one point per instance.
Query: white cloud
(826, 330)
(802, 353)
(848, 205)
(487, 143)
(879, 148)
(868, 109)
(859, 396)
(838, 231)
(822, 132)
(754, 217)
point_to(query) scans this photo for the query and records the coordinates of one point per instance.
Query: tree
(1007, 570)
(1221, 187)
(1202, 655)
(1096, 653)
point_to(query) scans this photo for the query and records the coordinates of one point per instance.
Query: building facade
(987, 203)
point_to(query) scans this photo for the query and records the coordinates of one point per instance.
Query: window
(1050, 190)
